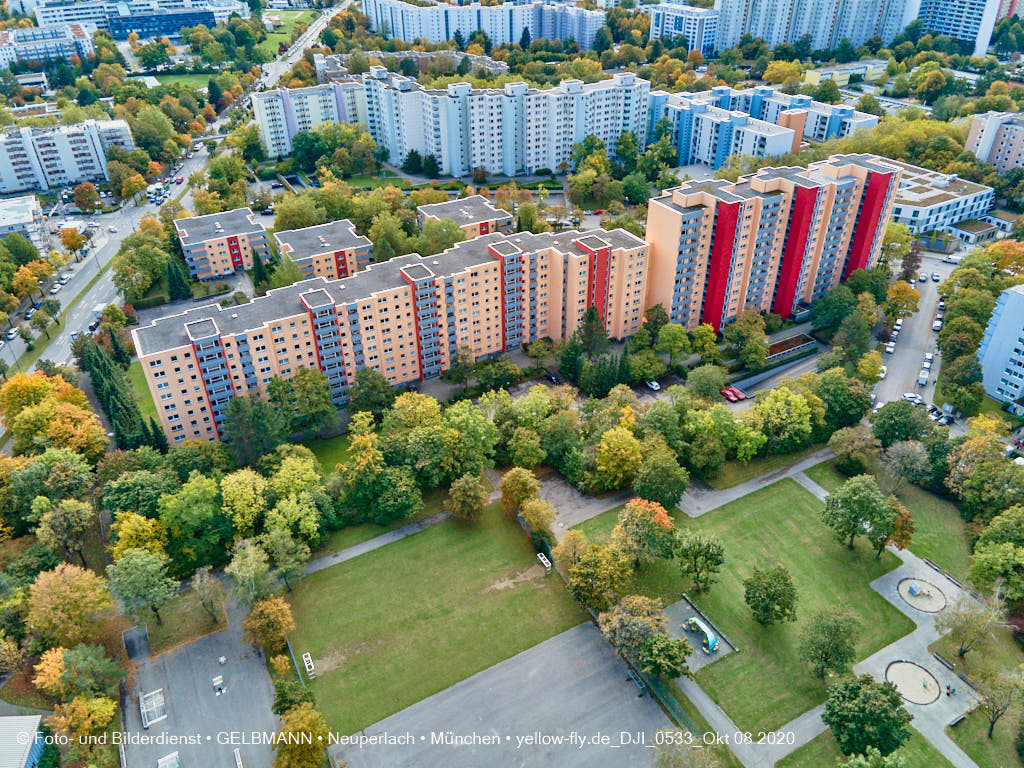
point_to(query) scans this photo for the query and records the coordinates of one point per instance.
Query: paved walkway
(375, 543)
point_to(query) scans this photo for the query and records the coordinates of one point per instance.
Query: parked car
(947, 419)
(94, 325)
(112, 230)
(180, 180)
(29, 312)
(739, 395)
(913, 397)
(912, 282)
(937, 325)
(55, 289)
(928, 357)
(926, 365)
(728, 395)
(923, 277)
(653, 386)
(881, 374)
(890, 347)
(936, 277)
(895, 334)
(922, 377)
(11, 334)
(64, 279)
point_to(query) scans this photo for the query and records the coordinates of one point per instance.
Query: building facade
(997, 138)
(331, 250)
(1001, 353)
(45, 158)
(220, 244)
(43, 44)
(771, 241)
(929, 201)
(512, 130)
(698, 25)
(406, 318)
(867, 70)
(122, 18)
(474, 215)
(968, 20)
(502, 23)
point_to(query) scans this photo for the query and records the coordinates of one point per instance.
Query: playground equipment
(709, 643)
(916, 590)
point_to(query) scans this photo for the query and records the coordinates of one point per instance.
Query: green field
(196, 81)
(137, 378)
(330, 451)
(283, 34)
(823, 752)
(766, 685)
(735, 472)
(403, 622)
(941, 533)
(184, 620)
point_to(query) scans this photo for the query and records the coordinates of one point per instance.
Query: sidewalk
(375, 543)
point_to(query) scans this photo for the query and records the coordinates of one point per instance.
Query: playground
(398, 624)
(765, 684)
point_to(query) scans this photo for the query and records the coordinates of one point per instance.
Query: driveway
(542, 707)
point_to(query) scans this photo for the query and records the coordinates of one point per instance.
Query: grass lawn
(283, 34)
(823, 752)
(941, 533)
(374, 181)
(766, 685)
(196, 81)
(137, 378)
(735, 472)
(330, 451)
(185, 619)
(410, 619)
(999, 652)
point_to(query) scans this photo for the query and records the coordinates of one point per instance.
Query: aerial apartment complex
(474, 214)
(331, 250)
(43, 44)
(698, 25)
(771, 241)
(406, 317)
(828, 22)
(502, 23)
(709, 126)
(997, 138)
(510, 130)
(218, 244)
(45, 158)
(150, 18)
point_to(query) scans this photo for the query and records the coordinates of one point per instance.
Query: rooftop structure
(331, 250)
(475, 215)
(23, 215)
(929, 201)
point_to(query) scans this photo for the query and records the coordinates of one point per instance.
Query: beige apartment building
(474, 215)
(997, 138)
(331, 250)
(219, 244)
(406, 317)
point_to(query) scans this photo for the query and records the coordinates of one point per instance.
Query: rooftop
(19, 210)
(920, 187)
(174, 331)
(973, 226)
(467, 210)
(199, 229)
(16, 736)
(334, 236)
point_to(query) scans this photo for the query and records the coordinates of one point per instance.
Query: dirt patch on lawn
(533, 573)
(337, 658)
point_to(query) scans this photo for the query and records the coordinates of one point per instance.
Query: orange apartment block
(332, 250)
(219, 244)
(474, 215)
(771, 241)
(406, 317)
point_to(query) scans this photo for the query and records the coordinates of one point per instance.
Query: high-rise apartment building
(331, 250)
(474, 215)
(406, 317)
(698, 25)
(502, 23)
(1001, 353)
(770, 241)
(43, 44)
(997, 138)
(511, 130)
(44, 158)
(220, 244)
(149, 18)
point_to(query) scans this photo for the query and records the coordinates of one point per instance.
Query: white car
(926, 365)
(928, 357)
(11, 334)
(936, 277)
(937, 325)
(55, 289)
(112, 230)
(64, 279)
(912, 282)
(653, 386)
(913, 397)
(890, 348)
(881, 374)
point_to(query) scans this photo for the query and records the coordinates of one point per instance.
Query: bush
(542, 541)
(226, 302)
(241, 298)
(219, 287)
(850, 465)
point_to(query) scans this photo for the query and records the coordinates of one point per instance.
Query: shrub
(151, 301)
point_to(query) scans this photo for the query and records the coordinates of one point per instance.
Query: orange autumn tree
(43, 412)
(644, 532)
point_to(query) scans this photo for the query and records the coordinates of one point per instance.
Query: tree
(996, 692)
(431, 166)
(906, 460)
(208, 590)
(524, 448)
(68, 605)
(661, 479)
(244, 498)
(969, 620)
(706, 380)
(664, 656)
(618, 458)
(214, 93)
(301, 739)
(993, 563)
(297, 212)
(82, 720)
(86, 196)
(700, 557)
(538, 515)
(288, 694)
(467, 498)
(139, 580)
(644, 532)
(785, 420)
(831, 309)
(828, 641)
(593, 335)
(517, 486)
(747, 339)
(902, 299)
(40, 322)
(863, 713)
(371, 392)
(289, 554)
(268, 623)
(900, 420)
(632, 620)
(853, 448)
(65, 526)
(771, 595)
(596, 577)
(852, 506)
(673, 340)
(11, 654)
(252, 427)
(413, 162)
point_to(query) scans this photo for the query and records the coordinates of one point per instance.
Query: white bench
(307, 659)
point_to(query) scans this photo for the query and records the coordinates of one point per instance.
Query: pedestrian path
(375, 543)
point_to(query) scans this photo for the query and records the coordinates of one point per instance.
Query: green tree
(661, 479)
(288, 554)
(597, 576)
(706, 380)
(467, 498)
(996, 692)
(65, 527)
(518, 485)
(771, 595)
(900, 420)
(785, 420)
(250, 571)
(664, 657)
(139, 579)
(852, 506)
(252, 427)
(371, 392)
(631, 621)
(863, 713)
(700, 557)
(524, 448)
(673, 340)
(288, 694)
(593, 335)
(828, 641)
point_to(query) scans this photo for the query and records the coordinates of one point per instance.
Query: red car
(728, 395)
(179, 180)
(737, 394)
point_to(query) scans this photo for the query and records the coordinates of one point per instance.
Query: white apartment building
(43, 44)
(1001, 353)
(698, 25)
(105, 14)
(929, 201)
(504, 23)
(43, 158)
(971, 20)
(512, 130)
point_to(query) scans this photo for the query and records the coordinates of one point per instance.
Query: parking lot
(568, 687)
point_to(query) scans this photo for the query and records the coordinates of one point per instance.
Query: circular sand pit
(922, 595)
(915, 683)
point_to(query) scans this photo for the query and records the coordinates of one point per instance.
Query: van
(953, 259)
(922, 378)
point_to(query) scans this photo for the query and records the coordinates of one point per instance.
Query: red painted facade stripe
(800, 217)
(340, 264)
(597, 278)
(415, 324)
(726, 218)
(867, 222)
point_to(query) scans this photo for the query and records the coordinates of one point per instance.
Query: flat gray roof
(467, 210)
(334, 236)
(170, 332)
(17, 733)
(199, 229)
